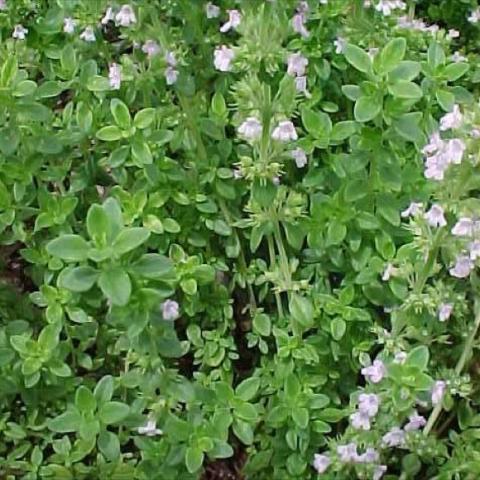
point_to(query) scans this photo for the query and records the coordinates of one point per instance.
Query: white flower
(251, 129)
(360, 421)
(284, 131)
(321, 462)
(389, 272)
(374, 372)
(151, 48)
(303, 7)
(368, 404)
(379, 471)
(150, 429)
(452, 33)
(3, 5)
(170, 310)
(108, 16)
(412, 210)
(171, 75)
(88, 35)
(369, 456)
(19, 32)
(234, 19)
(400, 357)
(347, 453)
(115, 76)
(223, 56)
(474, 16)
(458, 57)
(463, 227)
(394, 438)
(436, 216)
(237, 173)
(387, 6)
(297, 64)
(170, 58)
(415, 422)
(298, 24)
(340, 43)
(301, 85)
(69, 25)
(474, 249)
(444, 311)
(300, 157)
(438, 391)
(276, 180)
(126, 16)
(211, 10)
(452, 119)
(462, 268)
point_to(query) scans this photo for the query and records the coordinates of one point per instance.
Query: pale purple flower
(387, 6)
(69, 25)
(452, 120)
(368, 404)
(462, 268)
(126, 16)
(400, 358)
(300, 157)
(19, 32)
(415, 422)
(321, 462)
(170, 58)
(452, 33)
(475, 133)
(88, 35)
(340, 43)
(301, 85)
(412, 210)
(474, 16)
(389, 272)
(360, 420)
(284, 131)
(347, 453)
(438, 391)
(170, 310)
(223, 57)
(374, 372)
(444, 311)
(109, 16)
(297, 64)
(440, 154)
(458, 57)
(379, 471)
(150, 429)
(464, 227)
(234, 19)
(171, 75)
(250, 129)
(298, 24)
(394, 437)
(151, 48)
(369, 456)
(436, 216)
(115, 76)
(211, 10)
(474, 249)
(303, 7)
(3, 5)
(455, 149)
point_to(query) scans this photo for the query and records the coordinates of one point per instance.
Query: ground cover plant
(239, 239)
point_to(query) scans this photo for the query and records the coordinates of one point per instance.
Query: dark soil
(13, 268)
(226, 469)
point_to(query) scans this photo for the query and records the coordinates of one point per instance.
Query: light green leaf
(68, 247)
(129, 239)
(120, 113)
(78, 279)
(116, 286)
(358, 58)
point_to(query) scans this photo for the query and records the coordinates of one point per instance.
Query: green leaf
(300, 417)
(120, 114)
(68, 247)
(243, 431)
(116, 286)
(336, 232)
(96, 83)
(104, 389)
(454, 71)
(49, 89)
(436, 55)
(141, 152)
(247, 412)
(247, 389)
(262, 324)
(301, 310)
(338, 327)
(24, 88)
(343, 130)
(84, 400)
(113, 412)
(366, 108)
(318, 124)
(98, 224)
(404, 89)
(358, 58)
(109, 133)
(406, 70)
(129, 239)
(144, 118)
(66, 422)
(355, 190)
(408, 126)
(78, 279)
(152, 265)
(109, 445)
(418, 357)
(446, 99)
(392, 54)
(193, 459)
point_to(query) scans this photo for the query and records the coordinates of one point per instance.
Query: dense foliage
(239, 240)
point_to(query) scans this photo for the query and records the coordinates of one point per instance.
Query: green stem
(466, 352)
(284, 264)
(271, 252)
